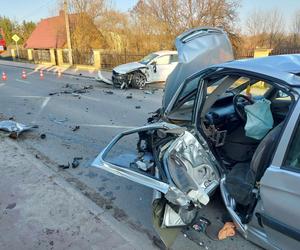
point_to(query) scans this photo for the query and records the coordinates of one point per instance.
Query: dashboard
(222, 113)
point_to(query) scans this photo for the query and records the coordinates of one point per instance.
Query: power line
(35, 10)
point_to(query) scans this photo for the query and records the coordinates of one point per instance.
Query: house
(50, 33)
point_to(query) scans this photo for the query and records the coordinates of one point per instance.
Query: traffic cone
(4, 77)
(24, 76)
(59, 73)
(41, 75)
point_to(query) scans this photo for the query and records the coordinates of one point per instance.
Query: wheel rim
(140, 80)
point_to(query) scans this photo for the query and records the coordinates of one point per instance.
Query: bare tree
(265, 28)
(166, 19)
(296, 29)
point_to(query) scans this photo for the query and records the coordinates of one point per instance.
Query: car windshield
(148, 58)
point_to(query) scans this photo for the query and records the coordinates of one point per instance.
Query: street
(101, 112)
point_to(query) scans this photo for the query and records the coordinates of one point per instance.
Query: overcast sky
(36, 9)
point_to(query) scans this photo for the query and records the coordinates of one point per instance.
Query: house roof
(50, 33)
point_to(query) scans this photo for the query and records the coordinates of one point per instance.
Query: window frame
(155, 59)
(288, 148)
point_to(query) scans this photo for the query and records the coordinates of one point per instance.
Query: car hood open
(128, 67)
(197, 49)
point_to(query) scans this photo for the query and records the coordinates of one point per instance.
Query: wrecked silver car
(231, 125)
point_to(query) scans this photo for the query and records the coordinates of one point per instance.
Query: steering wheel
(239, 103)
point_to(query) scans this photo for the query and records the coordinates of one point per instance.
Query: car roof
(165, 52)
(282, 67)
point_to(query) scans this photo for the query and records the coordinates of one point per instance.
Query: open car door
(279, 189)
(168, 159)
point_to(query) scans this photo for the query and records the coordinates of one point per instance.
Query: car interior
(223, 120)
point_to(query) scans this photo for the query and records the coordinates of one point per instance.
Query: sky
(34, 10)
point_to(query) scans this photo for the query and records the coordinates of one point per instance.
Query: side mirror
(154, 66)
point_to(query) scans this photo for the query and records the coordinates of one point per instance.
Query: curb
(2, 62)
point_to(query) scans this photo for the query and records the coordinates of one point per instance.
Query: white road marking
(44, 104)
(30, 73)
(2, 84)
(29, 96)
(23, 81)
(106, 126)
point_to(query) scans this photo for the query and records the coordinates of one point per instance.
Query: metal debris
(76, 162)
(76, 128)
(129, 96)
(14, 128)
(62, 166)
(109, 92)
(138, 107)
(73, 91)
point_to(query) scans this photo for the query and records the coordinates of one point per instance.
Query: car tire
(138, 80)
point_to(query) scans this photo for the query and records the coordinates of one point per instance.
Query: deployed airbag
(259, 119)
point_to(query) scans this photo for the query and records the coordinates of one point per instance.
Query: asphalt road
(101, 113)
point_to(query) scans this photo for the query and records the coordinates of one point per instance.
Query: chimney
(61, 13)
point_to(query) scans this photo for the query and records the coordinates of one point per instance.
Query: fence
(285, 51)
(111, 60)
(280, 51)
(244, 54)
(83, 57)
(65, 56)
(41, 55)
(23, 54)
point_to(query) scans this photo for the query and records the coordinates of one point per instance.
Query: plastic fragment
(228, 230)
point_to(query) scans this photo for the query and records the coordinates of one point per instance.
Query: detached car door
(280, 189)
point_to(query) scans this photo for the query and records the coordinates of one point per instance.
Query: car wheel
(138, 80)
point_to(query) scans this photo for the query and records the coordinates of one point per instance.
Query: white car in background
(155, 67)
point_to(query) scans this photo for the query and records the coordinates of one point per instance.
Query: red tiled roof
(49, 33)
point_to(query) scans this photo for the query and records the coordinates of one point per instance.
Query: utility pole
(68, 32)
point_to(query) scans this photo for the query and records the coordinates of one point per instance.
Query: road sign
(15, 38)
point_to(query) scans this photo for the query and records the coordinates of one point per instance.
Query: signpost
(16, 39)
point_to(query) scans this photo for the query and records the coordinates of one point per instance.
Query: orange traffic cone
(41, 75)
(4, 77)
(59, 73)
(24, 76)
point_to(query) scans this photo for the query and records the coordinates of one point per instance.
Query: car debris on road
(109, 92)
(14, 128)
(43, 136)
(77, 127)
(75, 163)
(228, 230)
(73, 91)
